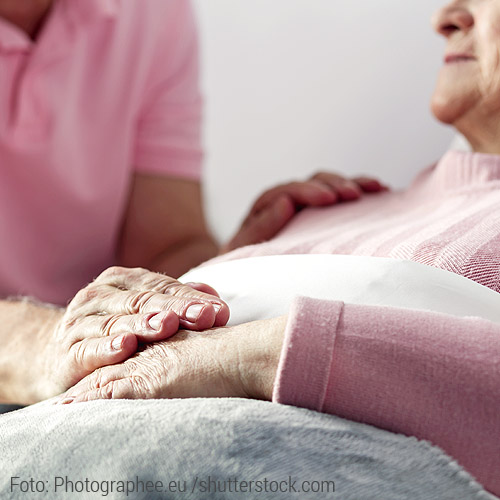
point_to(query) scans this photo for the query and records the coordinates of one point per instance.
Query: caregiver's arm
(164, 228)
(44, 350)
(23, 325)
(424, 374)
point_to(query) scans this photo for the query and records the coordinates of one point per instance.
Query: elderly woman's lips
(454, 58)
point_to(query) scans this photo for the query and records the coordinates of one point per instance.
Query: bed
(222, 448)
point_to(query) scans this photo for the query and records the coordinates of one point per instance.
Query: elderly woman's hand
(277, 206)
(104, 322)
(237, 361)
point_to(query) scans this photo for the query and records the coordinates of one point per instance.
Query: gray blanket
(197, 448)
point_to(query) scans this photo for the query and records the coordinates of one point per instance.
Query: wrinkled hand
(238, 361)
(104, 322)
(277, 206)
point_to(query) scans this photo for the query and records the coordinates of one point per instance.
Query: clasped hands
(139, 351)
(143, 354)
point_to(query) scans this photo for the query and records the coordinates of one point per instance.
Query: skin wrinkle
(467, 94)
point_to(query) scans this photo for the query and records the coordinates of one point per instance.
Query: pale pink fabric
(110, 88)
(424, 374)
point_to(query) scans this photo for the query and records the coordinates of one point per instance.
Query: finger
(119, 389)
(194, 313)
(264, 225)
(370, 185)
(309, 193)
(142, 280)
(203, 287)
(93, 353)
(222, 312)
(149, 327)
(346, 189)
(111, 382)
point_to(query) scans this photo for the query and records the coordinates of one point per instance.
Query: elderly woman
(419, 373)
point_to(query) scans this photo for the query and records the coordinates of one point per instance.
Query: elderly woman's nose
(454, 17)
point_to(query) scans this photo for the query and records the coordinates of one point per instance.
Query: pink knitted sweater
(424, 374)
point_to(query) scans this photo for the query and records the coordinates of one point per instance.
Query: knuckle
(140, 383)
(324, 175)
(108, 391)
(107, 324)
(180, 290)
(161, 283)
(67, 323)
(138, 301)
(80, 353)
(318, 175)
(110, 273)
(98, 379)
(85, 295)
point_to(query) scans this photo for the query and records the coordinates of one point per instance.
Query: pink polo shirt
(109, 88)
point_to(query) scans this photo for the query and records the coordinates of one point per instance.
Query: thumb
(263, 225)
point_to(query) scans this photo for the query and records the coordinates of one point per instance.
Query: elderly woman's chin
(448, 107)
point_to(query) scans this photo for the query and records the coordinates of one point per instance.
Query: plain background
(297, 86)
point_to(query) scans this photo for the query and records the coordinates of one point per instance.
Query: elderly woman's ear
(277, 206)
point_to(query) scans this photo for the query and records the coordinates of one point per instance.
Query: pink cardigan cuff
(305, 362)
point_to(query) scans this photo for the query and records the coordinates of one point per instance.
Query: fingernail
(116, 343)
(156, 321)
(194, 311)
(65, 401)
(217, 308)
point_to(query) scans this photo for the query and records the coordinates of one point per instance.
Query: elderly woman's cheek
(490, 82)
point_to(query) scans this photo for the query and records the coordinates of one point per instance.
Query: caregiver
(100, 163)
(424, 374)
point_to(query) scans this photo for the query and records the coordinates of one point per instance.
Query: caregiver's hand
(237, 361)
(274, 209)
(104, 322)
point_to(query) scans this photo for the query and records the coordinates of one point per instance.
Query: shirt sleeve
(429, 375)
(168, 137)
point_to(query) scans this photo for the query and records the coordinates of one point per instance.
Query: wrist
(25, 331)
(44, 358)
(259, 355)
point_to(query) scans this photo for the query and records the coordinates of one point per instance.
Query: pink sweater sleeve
(430, 375)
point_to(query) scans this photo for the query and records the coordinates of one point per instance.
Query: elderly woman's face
(470, 76)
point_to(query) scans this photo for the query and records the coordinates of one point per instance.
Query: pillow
(264, 287)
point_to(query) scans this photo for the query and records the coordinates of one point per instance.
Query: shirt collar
(13, 39)
(463, 170)
(77, 12)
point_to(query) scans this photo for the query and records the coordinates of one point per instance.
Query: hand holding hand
(104, 322)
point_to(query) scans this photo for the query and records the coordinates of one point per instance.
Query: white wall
(294, 86)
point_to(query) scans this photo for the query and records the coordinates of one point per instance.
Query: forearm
(429, 375)
(180, 258)
(22, 328)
